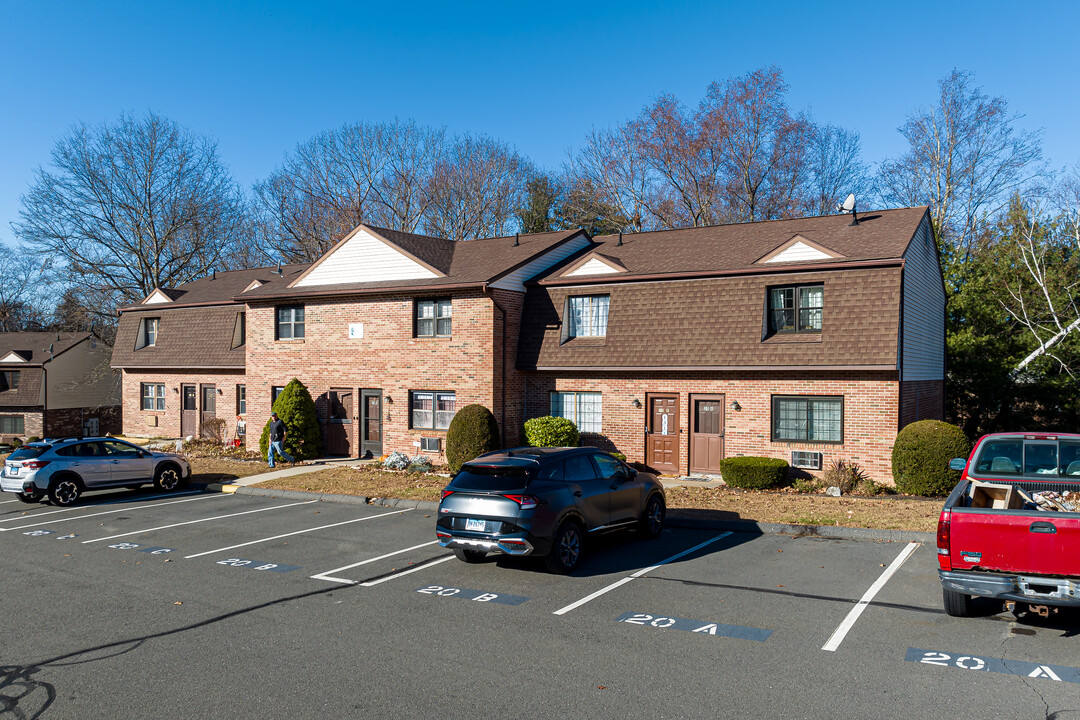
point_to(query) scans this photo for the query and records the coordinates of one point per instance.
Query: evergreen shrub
(754, 473)
(921, 455)
(303, 439)
(551, 431)
(472, 432)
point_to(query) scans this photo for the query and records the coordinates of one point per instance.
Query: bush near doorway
(754, 473)
(551, 431)
(303, 439)
(472, 432)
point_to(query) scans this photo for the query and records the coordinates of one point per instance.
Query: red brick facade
(166, 423)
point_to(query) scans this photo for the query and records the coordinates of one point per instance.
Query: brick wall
(166, 423)
(387, 358)
(33, 422)
(871, 407)
(69, 422)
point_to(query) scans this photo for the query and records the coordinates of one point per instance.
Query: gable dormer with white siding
(365, 256)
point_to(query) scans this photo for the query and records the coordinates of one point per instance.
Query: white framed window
(586, 316)
(153, 396)
(148, 331)
(290, 322)
(241, 399)
(585, 409)
(431, 410)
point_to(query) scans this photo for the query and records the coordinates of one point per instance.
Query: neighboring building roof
(196, 337)
(745, 247)
(465, 263)
(33, 347)
(219, 287)
(28, 394)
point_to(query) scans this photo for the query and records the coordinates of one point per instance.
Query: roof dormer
(800, 249)
(17, 356)
(594, 264)
(157, 297)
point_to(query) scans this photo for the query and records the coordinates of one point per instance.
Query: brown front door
(209, 408)
(371, 423)
(189, 410)
(339, 428)
(706, 433)
(662, 443)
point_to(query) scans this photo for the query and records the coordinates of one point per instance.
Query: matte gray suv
(64, 469)
(545, 502)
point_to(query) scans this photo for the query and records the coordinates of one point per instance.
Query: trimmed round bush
(617, 456)
(303, 439)
(472, 432)
(921, 455)
(754, 473)
(551, 432)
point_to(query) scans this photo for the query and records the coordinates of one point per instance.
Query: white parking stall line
(85, 507)
(202, 520)
(297, 532)
(326, 575)
(639, 573)
(108, 512)
(5, 502)
(841, 632)
(410, 571)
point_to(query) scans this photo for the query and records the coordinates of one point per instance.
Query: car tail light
(35, 464)
(943, 539)
(445, 493)
(527, 502)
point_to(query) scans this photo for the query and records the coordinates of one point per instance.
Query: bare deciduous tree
(966, 157)
(134, 205)
(836, 169)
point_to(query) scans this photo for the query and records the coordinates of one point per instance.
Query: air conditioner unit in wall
(811, 460)
(430, 444)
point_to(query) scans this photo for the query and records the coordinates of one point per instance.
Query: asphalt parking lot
(136, 605)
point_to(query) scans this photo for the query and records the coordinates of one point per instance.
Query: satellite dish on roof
(848, 206)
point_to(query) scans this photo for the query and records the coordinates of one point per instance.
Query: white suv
(64, 469)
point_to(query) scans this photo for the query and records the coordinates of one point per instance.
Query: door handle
(577, 493)
(1043, 527)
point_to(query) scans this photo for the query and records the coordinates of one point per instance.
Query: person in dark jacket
(278, 431)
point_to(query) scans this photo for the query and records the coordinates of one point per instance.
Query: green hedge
(472, 432)
(303, 439)
(551, 432)
(754, 473)
(921, 455)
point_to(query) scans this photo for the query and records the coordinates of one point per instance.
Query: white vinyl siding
(799, 252)
(923, 332)
(584, 409)
(515, 280)
(364, 258)
(595, 266)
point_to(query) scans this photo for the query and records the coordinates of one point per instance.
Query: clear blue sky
(262, 76)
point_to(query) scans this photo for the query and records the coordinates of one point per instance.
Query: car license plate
(13, 471)
(475, 525)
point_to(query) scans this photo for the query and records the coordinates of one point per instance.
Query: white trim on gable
(515, 280)
(13, 357)
(800, 249)
(363, 257)
(253, 284)
(595, 266)
(156, 298)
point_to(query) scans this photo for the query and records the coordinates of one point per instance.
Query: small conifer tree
(297, 410)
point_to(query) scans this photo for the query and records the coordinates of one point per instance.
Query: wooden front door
(339, 427)
(208, 411)
(662, 443)
(706, 433)
(189, 410)
(371, 423)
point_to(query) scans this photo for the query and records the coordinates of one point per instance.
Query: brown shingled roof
(28, 394)
(221, 287)
(197, 337)
(34, 346)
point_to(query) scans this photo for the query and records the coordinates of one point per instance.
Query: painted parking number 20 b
(477, 595)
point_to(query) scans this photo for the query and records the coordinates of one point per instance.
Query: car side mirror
(957, 464)
(632, 473)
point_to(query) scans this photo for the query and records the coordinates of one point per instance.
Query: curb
(679, 518)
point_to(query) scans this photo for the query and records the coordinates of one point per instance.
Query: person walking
(278, 431)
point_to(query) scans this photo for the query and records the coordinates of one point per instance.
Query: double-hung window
(153, 396)
(148, 330)
(585, 409)
(9, 380)
(12, 424)
(434, 318)
(431, 410)
(797, 308)
(807, 419)
(241, 399)
(586, 316)
(290, 322)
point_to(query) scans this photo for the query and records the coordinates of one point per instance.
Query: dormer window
(148, 330)
(239, 330)
(796, 308)
(9, 380)
(586, 316)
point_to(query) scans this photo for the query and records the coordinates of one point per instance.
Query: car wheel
(65, 491)
(566, 548)
(652, 521)
(167, 478)
(30, 497)
(469, 556)
(956, 604)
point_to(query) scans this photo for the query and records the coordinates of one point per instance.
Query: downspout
(502, 422)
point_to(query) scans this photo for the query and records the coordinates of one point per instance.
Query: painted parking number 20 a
(239, 562)
(965, 662)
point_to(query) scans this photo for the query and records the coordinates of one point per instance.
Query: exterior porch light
(176, 390)
(636, 403)
(736, 406)
(389, 400)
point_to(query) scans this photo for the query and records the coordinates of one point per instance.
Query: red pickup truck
(1011, 528)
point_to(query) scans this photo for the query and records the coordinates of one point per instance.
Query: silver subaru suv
(64, 469)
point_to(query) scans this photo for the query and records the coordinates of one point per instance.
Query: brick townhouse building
(811, 339)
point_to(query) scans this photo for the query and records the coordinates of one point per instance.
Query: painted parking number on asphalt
(695, 626)
(477, 595)
(1058, 673)
(256, 565)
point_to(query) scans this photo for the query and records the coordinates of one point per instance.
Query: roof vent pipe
(619, 244)
(517, 239)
